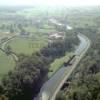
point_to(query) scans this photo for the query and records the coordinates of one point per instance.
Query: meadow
(58, 63)
(26, 45)
(6, 64)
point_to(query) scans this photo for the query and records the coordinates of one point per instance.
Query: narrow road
(54, 84)
(4, 44)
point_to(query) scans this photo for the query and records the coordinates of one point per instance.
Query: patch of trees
(8, 50)
(86, 86)
(86, 82)
(94, 34)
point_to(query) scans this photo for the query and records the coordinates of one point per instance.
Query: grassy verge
(57, 64)
(6, 64)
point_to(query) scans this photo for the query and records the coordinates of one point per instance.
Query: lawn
(26, 45)
(6, 64)
(57, 64)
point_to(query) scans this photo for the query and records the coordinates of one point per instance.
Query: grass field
(58, 63)
(26, 45)
(6, 64)
(45, 28)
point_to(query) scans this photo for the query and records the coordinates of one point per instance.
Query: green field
(26, 46)
(6, 64)
(57, 64)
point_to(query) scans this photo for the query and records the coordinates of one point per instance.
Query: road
(54, 84)
(10, 37)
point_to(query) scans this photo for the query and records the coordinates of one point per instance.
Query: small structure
(24, 34)
(69, 27)
(55, 36)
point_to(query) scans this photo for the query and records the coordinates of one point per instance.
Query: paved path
(3, 45)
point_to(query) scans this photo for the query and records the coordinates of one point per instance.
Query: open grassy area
(45, 28)
(57, 64)
(6, 64)
(26, 45)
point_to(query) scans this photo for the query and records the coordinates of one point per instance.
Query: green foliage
(86, 85)
(61, 96)
(88, 89)
(26, 45)
(8, 50)
(6, 64)
(25, 81)
(57, 63)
